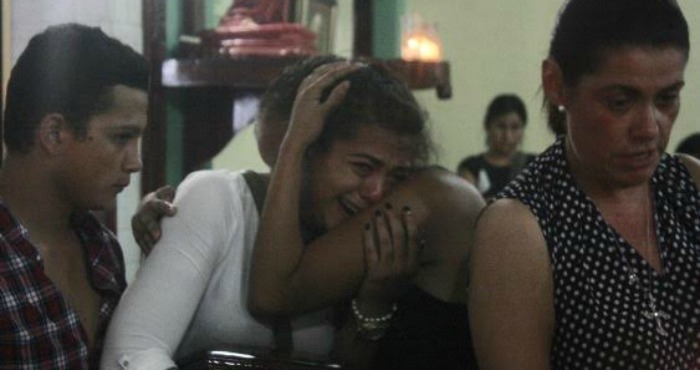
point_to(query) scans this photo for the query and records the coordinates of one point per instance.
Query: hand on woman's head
(310, 108)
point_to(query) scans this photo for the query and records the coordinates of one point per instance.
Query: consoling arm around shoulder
(331, 268)
(511, 306)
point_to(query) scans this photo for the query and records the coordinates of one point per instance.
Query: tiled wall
(118, 18)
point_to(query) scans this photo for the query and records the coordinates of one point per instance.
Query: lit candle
(420, 42)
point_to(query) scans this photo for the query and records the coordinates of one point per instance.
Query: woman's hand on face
(309, 112)
(391, 256)
(145, 224)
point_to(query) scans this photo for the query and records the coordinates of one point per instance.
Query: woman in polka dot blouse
(600, 264)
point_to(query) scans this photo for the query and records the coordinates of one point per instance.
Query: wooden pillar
(363, 18)
(153, 146)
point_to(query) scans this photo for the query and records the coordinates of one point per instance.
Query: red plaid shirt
(38, 329)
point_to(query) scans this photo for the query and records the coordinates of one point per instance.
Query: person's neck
(603, 192)
(32, 198)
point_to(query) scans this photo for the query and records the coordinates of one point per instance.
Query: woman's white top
(190, 294)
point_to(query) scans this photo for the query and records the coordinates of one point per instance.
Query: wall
(497, 46)
(493, 46)
(118, 18)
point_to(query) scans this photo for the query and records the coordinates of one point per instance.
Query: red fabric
(267, 51)
(273, 30)
(265, 40)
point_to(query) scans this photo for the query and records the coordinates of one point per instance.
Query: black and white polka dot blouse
(601, 284)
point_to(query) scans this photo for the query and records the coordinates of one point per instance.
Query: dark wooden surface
(422, 75)
(2, 97)
(207, 113)
(153, 146)
(362, 39)
(235, 73)
(258, 73)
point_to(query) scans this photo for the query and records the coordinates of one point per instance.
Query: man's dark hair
(68, 69)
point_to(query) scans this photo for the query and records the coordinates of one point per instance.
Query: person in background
(690, 145)
(76, 108)
(599, 264)
(491, 171)
(402, 339)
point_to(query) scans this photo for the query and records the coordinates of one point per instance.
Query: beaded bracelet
(361, 318)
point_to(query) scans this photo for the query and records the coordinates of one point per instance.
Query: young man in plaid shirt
(76, 108)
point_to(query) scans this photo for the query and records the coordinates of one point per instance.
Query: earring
(561, 108)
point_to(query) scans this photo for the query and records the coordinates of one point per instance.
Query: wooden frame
(153, 143)
(320, 16)
(5, 64)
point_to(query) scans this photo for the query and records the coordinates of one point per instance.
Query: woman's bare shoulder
(441, 189)
(446, 203)
(507, 227)
(445, 207)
